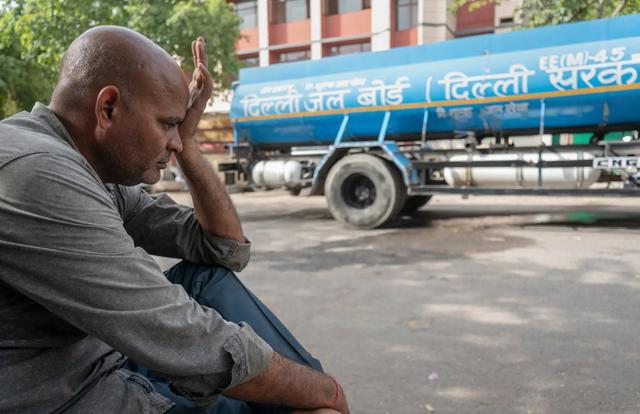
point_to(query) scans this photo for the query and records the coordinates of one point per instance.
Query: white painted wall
(316, 29)
(263, 31)
(380, 25)
(433, 19)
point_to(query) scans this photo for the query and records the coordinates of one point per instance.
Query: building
(276, 31)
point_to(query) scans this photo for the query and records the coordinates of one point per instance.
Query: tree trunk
(619, 8)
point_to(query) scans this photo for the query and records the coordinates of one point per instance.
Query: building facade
(277, 31)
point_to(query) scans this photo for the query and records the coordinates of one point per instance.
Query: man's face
(148, 134)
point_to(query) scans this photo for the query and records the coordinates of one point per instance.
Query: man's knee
(219, 288)
(202, 281)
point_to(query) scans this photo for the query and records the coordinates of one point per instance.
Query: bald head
(121, 99)
(110, 55)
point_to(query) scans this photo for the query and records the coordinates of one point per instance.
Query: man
(79, 293)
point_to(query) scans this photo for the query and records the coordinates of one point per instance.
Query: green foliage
(174, 24)
(545, 12)
(35, 33)
(22, 82)
(535, 13)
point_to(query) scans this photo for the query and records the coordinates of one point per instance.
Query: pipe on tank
(525, 177)
(277, 173)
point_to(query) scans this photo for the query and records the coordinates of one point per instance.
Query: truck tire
(294, 191)
(413, 203)
(364, 191)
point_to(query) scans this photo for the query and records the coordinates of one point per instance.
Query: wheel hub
(358, 191)
(363, 193)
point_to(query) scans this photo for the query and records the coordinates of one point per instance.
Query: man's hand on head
(214, 209)
(200, 90)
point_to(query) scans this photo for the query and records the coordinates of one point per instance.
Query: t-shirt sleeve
(165, 228)
(65, 248)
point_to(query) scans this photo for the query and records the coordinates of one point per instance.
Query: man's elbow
(237, 265)
(238, 258)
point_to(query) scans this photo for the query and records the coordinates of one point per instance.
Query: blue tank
(581, 76)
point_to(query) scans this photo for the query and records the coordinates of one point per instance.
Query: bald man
(88, 322)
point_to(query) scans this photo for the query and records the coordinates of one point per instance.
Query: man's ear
(108, 106)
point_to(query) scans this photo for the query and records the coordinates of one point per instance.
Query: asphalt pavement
(479, 305)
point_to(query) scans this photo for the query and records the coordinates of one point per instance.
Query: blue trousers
(220, 289)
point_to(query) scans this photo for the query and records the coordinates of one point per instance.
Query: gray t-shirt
(78, 288)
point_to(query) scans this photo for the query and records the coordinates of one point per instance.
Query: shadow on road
(490, 215)
(564, 216)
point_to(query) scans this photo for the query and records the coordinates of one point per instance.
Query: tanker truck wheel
(413, 203)
(364, 191)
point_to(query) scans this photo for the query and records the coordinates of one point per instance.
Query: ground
(479, 305)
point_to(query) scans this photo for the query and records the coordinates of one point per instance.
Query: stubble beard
(132, 172)
(150, 176)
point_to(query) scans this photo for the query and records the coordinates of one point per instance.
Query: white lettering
(457, 85)
(288, 102)
(380, 93)
(613, 73)
(575, 59)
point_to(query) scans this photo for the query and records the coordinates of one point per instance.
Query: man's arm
(213, 206)
(164, 228)
(283, 382)
(288, 383)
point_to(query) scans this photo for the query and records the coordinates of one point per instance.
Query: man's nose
(175, 143)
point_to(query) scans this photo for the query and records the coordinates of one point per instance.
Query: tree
(534, 13)
(35, 33)
(21, 82)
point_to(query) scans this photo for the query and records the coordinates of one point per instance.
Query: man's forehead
(169, 82)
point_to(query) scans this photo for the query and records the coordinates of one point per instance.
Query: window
(345, 6)
(247, 10)
(284, 11)
(293, 56)
(406, 14)
(249, 61)
(348, 48)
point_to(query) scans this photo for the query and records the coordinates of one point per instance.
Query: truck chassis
(368, 183)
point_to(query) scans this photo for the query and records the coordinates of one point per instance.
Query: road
(480, 305)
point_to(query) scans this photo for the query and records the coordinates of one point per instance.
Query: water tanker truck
(379, 133)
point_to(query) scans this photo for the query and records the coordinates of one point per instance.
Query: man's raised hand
(200, 90)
